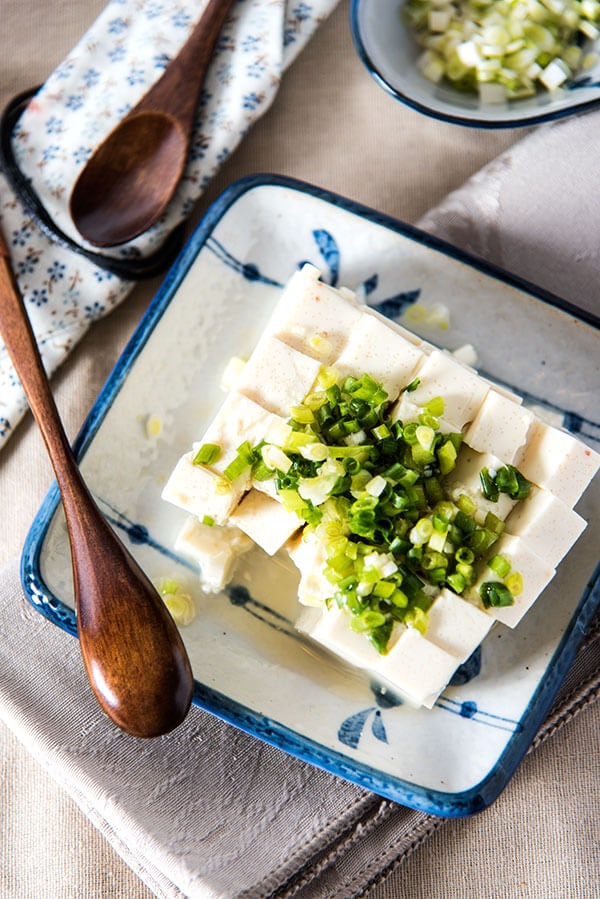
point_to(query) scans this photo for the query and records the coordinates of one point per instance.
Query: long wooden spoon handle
(22, 348)
(134, 656)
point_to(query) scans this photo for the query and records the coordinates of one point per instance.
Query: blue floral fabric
(108, 71)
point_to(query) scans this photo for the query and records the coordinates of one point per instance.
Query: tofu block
(501, 427)
(556, 460)
(214, 549)
(536, 572)
(309, 558)
(547, 525)
(413, 338)
(406, 411)
(464, 478)
(200, 491)
(314, 318)
(373, 347)
(330, 627)
(277, 376)
(418, 668)
(265, 521)
(239, 419)
(414, 666)
(456, 625)
(462, 389)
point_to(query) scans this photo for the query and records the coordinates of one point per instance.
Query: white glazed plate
(388, 49)
(251, 667)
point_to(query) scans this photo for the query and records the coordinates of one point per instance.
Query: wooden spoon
(134, 656)
(129, 180)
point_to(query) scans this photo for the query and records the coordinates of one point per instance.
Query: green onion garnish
(207, 454)
(507, 479)
(494, 594)
(372, 492)
(499, 565)
(244, 460)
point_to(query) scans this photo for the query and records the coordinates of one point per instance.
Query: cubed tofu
(547, 525)
(265, 521)
(309, 558)
(314, 318)
(556, 460)
(214, 549)
(464, 479)
(501, 427)
(417, 668)
(200, 491)
(277, 376)
(239, 419)
(406, 412)
(373, 347)
(456, 625)
(268, 487)
(331, 628)
(462, 389)
(535, 571)
(395, 326)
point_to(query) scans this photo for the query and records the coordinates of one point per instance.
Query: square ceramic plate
(251, 667)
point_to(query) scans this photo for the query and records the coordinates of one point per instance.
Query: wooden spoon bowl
(129, 180)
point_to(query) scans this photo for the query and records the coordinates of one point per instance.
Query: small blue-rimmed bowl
(389, 51)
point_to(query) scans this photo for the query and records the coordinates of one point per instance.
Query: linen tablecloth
(403, 164)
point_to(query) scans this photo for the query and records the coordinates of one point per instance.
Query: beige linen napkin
(208, 811)
(534, 211)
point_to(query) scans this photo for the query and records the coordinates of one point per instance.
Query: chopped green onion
(466, 504)
(514, 582)
(465, 555)
(180, 604)
(447, 456)
(507, 479)
(494, 594)
(502, 50)
(207, 454)
(456, 582)
(302, 414)
(510, 480)
(499, 565)
(422, 531)
(372, 492)
(489, 487)
(435, 406)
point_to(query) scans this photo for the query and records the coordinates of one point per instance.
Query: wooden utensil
(127, 183)
(134, 656)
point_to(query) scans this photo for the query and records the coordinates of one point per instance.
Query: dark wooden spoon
(127, 183)
(134, 656)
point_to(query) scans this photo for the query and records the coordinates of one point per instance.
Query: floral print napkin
(114, 64)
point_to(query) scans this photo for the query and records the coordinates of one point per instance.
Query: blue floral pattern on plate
(250, 665)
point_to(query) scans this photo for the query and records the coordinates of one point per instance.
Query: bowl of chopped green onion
(484, 63)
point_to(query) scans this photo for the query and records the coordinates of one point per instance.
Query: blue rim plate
(388, 50)
(251, 667)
